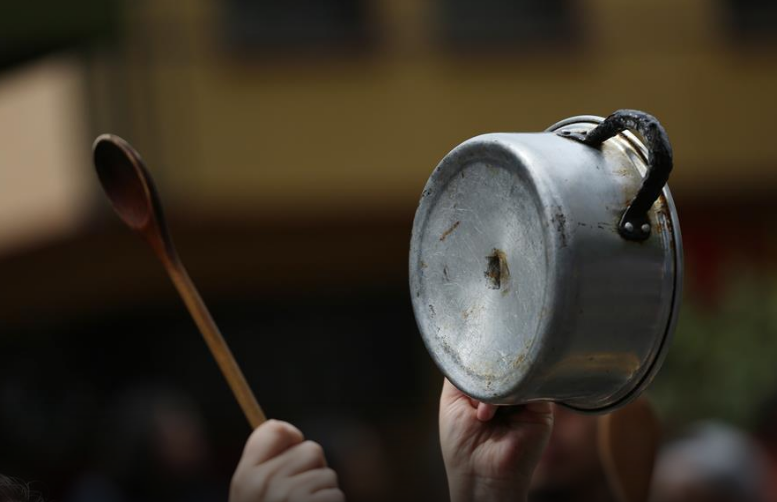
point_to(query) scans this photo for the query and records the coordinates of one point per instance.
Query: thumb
(486, 412)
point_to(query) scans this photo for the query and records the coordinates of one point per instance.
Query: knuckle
(245, 487)
(261, 434)
(276, 492)
(313, 454)
(331, 477)
(298, 493)
(288, 431)
(274, 427)
(274, 431)
(313, 449)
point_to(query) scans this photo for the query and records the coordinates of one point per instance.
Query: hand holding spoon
(131, 190)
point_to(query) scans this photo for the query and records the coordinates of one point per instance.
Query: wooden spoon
(131, 189)
(628, 441)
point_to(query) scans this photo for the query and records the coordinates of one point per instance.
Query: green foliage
(723, 361)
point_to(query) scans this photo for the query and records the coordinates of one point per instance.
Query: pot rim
(668, 335)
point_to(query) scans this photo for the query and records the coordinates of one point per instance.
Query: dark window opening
(752, 20)
(302, 25)
(507, 24)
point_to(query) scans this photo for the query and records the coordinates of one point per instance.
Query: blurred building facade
(290, 142)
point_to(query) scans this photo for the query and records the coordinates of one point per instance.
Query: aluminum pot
(548, 266)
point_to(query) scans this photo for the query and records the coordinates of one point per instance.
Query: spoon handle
(216, 343)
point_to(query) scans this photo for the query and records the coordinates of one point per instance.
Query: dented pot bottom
(523, 286)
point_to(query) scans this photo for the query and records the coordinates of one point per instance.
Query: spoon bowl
(130, 188)
(125, 180)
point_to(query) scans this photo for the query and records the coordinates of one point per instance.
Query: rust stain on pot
(497, 271)
(472, 312)
(663, 219)
(560, 221)
(469, 370)
(449, 231)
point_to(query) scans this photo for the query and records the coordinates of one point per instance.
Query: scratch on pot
(449, 231)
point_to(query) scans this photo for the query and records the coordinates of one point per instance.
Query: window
(752, 20)
(507, 23)
(296, 25)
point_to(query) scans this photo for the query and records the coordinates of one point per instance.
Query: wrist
(476, 489)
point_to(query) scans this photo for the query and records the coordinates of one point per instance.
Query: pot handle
(635, 224)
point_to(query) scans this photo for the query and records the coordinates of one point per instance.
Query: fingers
(279, 465)
(486, 412)
(304, 486)
(453, 398)
(540, 413)
(270, 440)
(450, 393)
(540, 407)
(328, 495)
(314, 481)
(303, 457)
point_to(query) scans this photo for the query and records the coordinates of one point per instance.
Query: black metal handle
(635, 224)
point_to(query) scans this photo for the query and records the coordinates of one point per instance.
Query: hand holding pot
(488, 456)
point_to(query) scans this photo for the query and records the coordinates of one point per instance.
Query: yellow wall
(365, 130)
(44, 151)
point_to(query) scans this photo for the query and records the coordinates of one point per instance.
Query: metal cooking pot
(548, 266)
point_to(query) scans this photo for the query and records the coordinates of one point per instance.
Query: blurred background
(290, 142)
